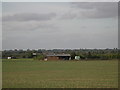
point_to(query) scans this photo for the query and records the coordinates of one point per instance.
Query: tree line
(102, 54)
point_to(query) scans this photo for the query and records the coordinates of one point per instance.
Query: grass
(60, 74)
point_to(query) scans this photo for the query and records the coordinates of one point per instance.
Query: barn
(59, 57)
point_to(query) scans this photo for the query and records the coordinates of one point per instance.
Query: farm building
(77, 57)
(9, 57)
(59, 57)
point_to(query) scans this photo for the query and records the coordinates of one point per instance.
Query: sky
(61, 25)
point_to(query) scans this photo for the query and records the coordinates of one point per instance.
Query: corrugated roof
(59, 55)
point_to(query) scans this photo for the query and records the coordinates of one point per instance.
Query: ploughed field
(60, 74)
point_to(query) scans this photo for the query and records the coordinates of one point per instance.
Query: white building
(9, 57)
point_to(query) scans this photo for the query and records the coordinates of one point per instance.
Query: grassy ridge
(60, 74)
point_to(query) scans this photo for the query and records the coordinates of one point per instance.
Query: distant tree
(83, 53)
(73, 54)
(39, 57)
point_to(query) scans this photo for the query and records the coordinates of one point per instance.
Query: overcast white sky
(60, 25)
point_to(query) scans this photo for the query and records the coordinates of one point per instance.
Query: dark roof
(59, 55)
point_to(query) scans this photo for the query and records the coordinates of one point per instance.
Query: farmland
(60, 74)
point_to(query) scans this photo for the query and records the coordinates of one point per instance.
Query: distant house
(9, 57)
(77, 57)
(59, 57)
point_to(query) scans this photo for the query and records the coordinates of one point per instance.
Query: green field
(60, 74)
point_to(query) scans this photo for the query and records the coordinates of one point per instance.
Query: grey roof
(59, 55)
